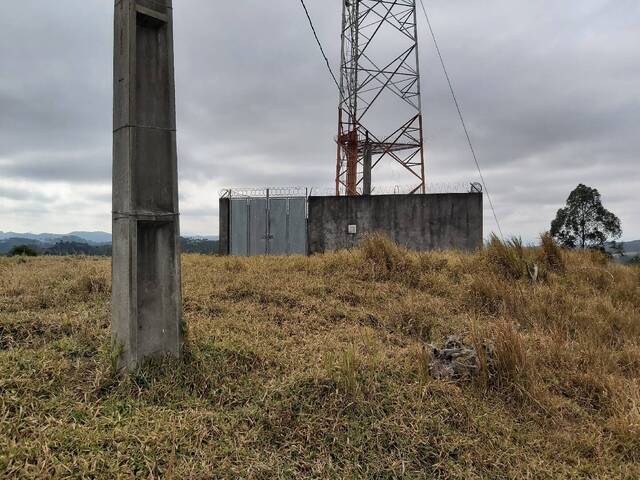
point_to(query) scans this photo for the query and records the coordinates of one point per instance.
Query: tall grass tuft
(551, 254)
(514, 370)
(509, 258)
(423, 359)
(343, 369)
(386, 260)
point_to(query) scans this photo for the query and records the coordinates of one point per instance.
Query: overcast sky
(550, 90)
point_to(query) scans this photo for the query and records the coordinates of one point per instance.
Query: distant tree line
(22, 251)
(66, 248)
(200, 245)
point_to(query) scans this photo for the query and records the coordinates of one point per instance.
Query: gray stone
(146, 300)
(456, 361)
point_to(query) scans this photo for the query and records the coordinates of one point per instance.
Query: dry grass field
(316, 367)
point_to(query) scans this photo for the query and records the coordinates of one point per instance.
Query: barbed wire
(292, 192)
(263, 192)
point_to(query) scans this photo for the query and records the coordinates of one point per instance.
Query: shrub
(23, 251)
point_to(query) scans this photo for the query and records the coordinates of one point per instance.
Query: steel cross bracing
(371, 76)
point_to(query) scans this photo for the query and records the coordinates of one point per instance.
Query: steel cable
(315, 34)
(464, 125)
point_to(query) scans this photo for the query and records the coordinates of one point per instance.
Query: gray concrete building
(419, 222)
(146, 300)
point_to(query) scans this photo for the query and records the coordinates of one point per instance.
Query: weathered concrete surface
(146, 300)
(419, 222)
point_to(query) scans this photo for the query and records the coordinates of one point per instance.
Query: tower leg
(366, 174)
(352, 163)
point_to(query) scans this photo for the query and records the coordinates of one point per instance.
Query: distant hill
(8, 243)
(93, 237)
(631, 250)
(213, 238)
(96, 238)
(75, 245)
(40, 237)
(632, 246)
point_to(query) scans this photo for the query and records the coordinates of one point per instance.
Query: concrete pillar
(367, 167)
(146, 302)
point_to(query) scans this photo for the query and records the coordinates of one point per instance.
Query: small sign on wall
(353, 229)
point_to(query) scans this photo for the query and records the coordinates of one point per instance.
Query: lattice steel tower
(380, 111)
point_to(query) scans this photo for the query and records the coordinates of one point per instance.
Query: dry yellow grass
(316, 367)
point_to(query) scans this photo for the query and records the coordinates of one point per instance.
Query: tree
(23, 251)
(584, 222)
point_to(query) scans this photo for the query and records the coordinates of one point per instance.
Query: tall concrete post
(366, 168)
(146, 308)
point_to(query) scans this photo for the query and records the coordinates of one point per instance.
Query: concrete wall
(419, 222)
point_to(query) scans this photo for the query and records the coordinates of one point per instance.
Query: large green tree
(584, 222)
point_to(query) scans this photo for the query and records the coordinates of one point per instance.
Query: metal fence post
(267, 243)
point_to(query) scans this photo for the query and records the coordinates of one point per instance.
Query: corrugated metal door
(239, 235)
(297, 234)
(257, 226)
(277, 226)
(278, 231)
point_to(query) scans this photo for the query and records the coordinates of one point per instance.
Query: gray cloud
(549, 90)
(17, 194)
(66, 166)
